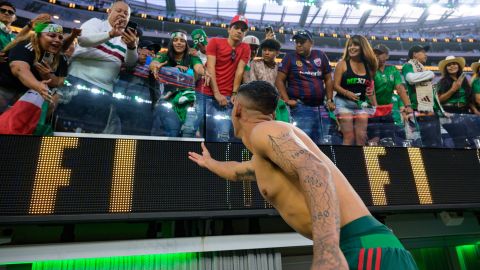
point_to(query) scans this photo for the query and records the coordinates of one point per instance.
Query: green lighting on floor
(156, 261)
(468, 256)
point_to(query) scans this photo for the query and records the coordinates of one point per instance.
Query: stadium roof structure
(327, 13)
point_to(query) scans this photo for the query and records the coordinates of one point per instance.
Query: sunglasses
(241, 27)
(7, 11)
(233, 55)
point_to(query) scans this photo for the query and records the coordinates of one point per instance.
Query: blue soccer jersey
(305, 76)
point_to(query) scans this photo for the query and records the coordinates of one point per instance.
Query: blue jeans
(311, 120)
(165, 120)
(462, 129)
(167, 123)
(213, 121)
(430, 131)
(382, 127)
(82, 109)
(133, 115)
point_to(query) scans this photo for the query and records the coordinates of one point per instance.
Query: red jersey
(227, 60)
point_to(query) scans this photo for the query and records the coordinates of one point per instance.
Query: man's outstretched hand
(202, 159)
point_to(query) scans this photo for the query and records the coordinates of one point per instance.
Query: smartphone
(268, 29)
(148, 60)
(132, 26)
(47, 58)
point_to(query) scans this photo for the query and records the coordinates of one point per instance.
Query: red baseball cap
(239, 18)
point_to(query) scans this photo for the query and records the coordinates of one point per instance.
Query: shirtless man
(306, 188)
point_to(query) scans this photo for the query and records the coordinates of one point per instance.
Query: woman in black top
(353, 82)
(34, 62)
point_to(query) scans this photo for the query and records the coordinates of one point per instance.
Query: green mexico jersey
(476, 86)
(194, 60)
(5, 36)
(385, 83)
(412, 94)
(458, 97)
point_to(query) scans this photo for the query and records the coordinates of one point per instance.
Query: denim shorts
(347, 106)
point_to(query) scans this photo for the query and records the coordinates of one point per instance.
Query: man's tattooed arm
(233, 170)
(230, 170)
(295, 158)
(245, 174)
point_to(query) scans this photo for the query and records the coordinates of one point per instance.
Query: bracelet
(408, 106)
(234, 93)
(132, 48)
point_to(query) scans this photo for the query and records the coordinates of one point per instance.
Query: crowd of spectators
(105, 78)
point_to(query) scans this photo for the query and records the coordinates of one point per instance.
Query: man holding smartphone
(103, 48)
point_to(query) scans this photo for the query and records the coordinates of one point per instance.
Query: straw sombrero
(451, 59)
(475, 67)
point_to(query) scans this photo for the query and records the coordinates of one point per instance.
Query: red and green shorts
(369, 245)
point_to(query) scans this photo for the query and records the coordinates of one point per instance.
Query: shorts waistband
(367, 232)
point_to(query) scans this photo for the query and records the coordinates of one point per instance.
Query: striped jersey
(305, 76)
(100, 64)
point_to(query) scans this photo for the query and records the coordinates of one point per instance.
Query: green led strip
(154, 261)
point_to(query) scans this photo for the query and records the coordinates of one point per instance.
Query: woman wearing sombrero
(455, 95)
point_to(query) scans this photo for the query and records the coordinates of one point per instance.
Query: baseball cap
(381, 49)
(147, 44)
(239, 18)
(303, 34)
(417, 48)
(252, 40)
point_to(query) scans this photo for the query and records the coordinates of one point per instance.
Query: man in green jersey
(422, 96)
(387, 80)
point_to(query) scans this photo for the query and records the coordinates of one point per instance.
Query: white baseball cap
(251, 40)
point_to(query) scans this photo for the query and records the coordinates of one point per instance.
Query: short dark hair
(263, 97)
(270, 44)
(8, 4)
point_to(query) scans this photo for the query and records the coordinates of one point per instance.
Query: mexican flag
(26, 116)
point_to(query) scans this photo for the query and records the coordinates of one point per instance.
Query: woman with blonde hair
(34, 62)
(353, 82)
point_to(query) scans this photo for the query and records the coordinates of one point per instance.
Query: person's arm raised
(284, 148)
(230, 170)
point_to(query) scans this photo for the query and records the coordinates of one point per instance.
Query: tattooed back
(300, 181)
